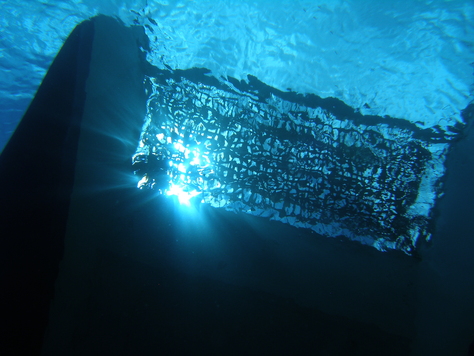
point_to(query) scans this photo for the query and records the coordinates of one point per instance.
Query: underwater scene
(237, 177)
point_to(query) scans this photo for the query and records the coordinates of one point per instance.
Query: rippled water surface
(409, 60)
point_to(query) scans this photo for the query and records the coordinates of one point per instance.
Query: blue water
(390, 80)
(404, 59)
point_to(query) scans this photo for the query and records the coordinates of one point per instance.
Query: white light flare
(183, 196)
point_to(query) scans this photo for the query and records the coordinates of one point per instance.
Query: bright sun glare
(183, 196)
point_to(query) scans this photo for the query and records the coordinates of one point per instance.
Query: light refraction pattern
(302, 160)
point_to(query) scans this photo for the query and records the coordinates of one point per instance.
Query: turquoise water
(405, 60)
(141, 273)
(408, 60)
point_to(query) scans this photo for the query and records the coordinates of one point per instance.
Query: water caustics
(408, 60)
(310, 162)
(357, 149)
